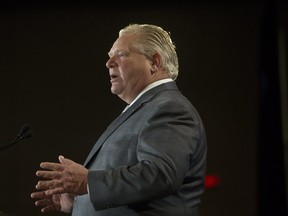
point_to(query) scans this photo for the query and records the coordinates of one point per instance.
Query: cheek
(132, 71)
(127, 74)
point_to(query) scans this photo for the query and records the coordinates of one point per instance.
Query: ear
(155, 63)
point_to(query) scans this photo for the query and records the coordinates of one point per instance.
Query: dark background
(232, 67)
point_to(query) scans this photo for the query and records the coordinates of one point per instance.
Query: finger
(50, 208)
(44, 185)
(44, 202)
(65, 161)
(49, 174)
(39, 195)
(52, 166)
(53, 191)
(61, 159)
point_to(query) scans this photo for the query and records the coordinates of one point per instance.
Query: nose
(110, 63)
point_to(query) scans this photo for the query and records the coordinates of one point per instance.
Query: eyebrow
(110, 53)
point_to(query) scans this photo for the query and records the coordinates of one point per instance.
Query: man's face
(129, 71)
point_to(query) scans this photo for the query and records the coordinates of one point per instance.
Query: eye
(123, 54)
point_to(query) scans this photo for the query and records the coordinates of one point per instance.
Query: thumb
(64, 160)
(61, 159)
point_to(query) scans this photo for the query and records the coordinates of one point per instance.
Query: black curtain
(272, 189)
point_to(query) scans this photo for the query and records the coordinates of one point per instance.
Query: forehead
(124, 42)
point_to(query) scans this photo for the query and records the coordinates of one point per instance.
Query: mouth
(113, 77)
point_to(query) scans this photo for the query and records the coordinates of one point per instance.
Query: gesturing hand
(56, 202)
(66, 177)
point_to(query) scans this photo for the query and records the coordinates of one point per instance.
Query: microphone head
(24, 133)
(23, 129)
(27, 134)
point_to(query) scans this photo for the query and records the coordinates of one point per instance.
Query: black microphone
(23, 129)
(24, 133)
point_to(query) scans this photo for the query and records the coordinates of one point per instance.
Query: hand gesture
(56, 202)
(61, 182)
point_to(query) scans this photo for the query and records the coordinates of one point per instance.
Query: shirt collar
(150, 86)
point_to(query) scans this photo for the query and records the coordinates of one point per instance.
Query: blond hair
(152, 39)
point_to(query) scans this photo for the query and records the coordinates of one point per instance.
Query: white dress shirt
(150, 86)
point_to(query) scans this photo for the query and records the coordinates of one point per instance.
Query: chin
(115, 90)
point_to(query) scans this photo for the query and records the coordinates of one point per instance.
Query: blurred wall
(53, 76)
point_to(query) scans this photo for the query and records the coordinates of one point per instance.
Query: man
(151, 160)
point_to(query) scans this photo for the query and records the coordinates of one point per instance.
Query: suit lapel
(121, 118)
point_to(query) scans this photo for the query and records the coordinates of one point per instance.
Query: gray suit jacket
(151, 160)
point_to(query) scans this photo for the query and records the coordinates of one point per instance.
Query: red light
(212, 181)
